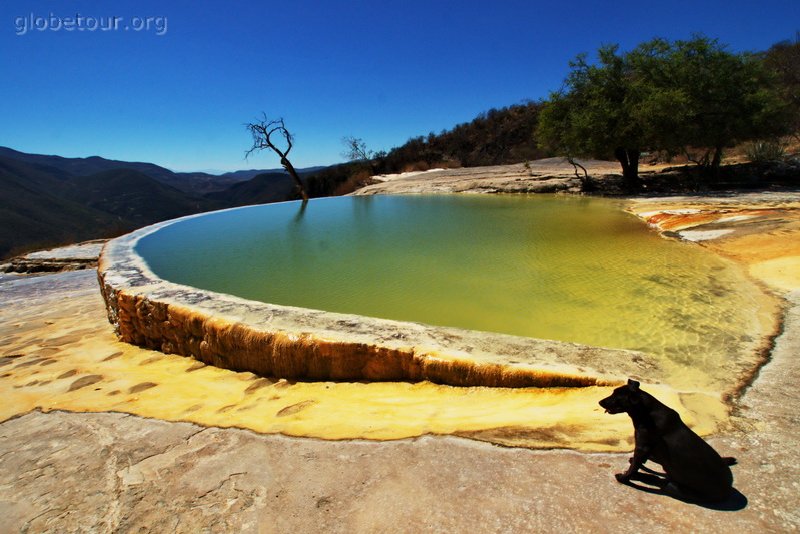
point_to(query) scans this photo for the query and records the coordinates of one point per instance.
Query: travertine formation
(759, 230)
(58, 352)
(296, 343)
(293, 343)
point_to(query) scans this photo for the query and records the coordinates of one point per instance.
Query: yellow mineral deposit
(63, 356)
(764, 235)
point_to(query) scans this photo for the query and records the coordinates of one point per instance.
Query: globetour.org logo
(86, 23)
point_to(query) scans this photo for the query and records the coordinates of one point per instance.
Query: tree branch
(586, 182)
(262, 132)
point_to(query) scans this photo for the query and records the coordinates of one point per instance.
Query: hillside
(134, 197)
(249, 174)
(51, 200)
(496, 137)
(34, 210)
(42, 205)
(262, 189)
(193, 182)
(270, 186)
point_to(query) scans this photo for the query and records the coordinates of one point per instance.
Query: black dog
(694, 470)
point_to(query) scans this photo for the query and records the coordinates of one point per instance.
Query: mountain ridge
(52, 200)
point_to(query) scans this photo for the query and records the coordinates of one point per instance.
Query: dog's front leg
(640, 456)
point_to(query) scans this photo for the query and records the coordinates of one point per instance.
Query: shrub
(766, 151)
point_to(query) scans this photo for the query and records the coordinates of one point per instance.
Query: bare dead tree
(266, 133)
(356, 149)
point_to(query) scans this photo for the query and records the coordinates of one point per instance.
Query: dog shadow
(651, 481)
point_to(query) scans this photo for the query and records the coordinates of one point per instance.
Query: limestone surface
(551, 175)
(113, 472)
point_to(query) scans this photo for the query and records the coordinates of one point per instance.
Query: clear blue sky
(177, 94)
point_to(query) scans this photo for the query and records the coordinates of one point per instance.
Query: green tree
(784, 60)
(661, 96)
(697, 94)
(594, 114)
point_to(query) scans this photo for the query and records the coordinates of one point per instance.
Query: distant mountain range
(52, 200)
(241, 176)
(189, 182)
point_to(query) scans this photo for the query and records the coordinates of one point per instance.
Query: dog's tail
(729, 460)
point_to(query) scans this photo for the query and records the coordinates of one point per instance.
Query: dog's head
(624, 398)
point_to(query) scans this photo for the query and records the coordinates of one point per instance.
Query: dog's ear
(633, 385)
